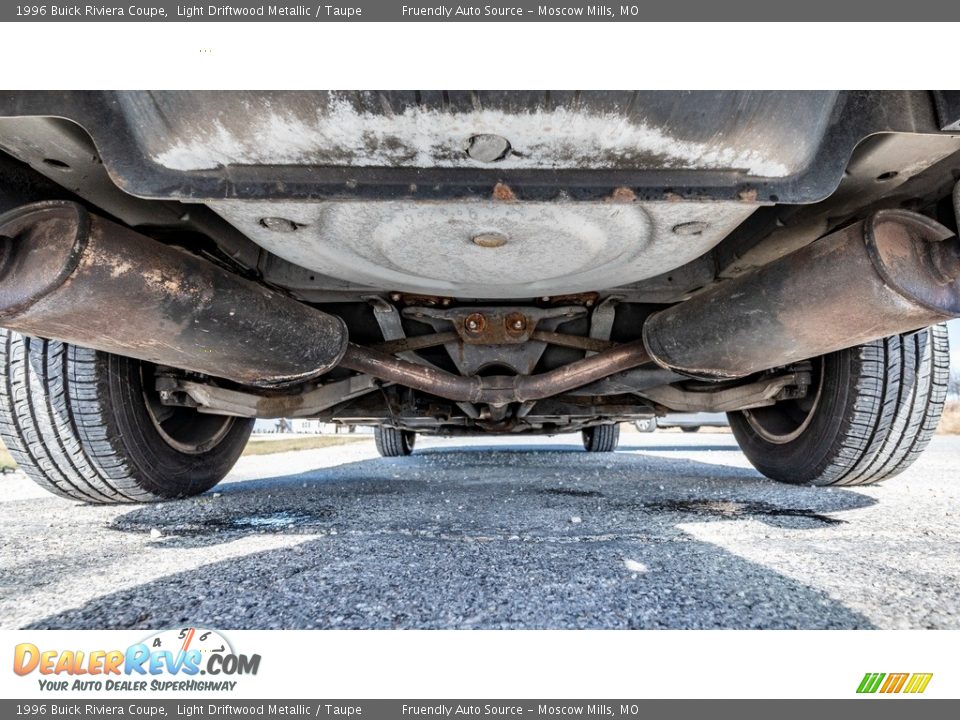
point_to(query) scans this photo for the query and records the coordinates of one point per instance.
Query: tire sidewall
(160, 468)
(807, 458)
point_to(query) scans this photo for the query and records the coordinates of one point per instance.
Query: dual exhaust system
(71, 276)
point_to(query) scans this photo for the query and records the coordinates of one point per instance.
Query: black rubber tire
(76, 422)
(392, 442)
(879, 405)
(646, 426)
(601, 438)
(690, 429)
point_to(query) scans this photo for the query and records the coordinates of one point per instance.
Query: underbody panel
(487, 248)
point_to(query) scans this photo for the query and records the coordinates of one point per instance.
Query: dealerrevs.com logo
(183, 654)
(891, 683)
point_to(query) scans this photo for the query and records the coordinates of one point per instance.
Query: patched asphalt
(672, 531)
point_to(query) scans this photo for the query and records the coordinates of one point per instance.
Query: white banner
(506, 664)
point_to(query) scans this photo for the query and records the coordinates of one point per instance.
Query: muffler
(68, 275)
(895, 272)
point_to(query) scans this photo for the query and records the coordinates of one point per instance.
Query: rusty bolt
(475, 323)
(516, 323)
(503, 193)
(490, 239)
(623, 194)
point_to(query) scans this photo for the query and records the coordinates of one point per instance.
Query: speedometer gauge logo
(182, 640)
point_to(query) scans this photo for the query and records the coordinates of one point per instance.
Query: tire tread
(56, 419)
(392, 442)
(896, 391)
(601, 438)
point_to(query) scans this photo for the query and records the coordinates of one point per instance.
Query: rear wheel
(648, 425)
(392, 442)
(89, 426)
(872, 412)
(602, 438)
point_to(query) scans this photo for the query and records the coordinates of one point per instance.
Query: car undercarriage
(477, 263)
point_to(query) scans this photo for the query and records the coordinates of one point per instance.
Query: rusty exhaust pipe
(71, 276)
(496, 390)
(894, 272)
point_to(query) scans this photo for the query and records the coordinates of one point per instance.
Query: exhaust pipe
(71, 276)
(895, 272)
(497, 390)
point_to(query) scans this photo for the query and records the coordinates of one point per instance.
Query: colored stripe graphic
(918, 682)
(870, 682)
(894, 683)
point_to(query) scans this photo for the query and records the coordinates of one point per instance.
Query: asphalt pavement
(672, 531)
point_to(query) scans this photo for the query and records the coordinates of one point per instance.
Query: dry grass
(950, 423)
(262, 446)
(254, 447)
(6, 461)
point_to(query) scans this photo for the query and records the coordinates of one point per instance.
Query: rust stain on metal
(490, 240)
(503, 193)
(425, 300)
(588, 299)
(622, 195)
(162, 281)
(749, 195)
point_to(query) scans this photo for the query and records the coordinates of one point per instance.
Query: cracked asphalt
(672, 531)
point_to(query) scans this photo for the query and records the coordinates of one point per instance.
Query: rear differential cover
(485, 248)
